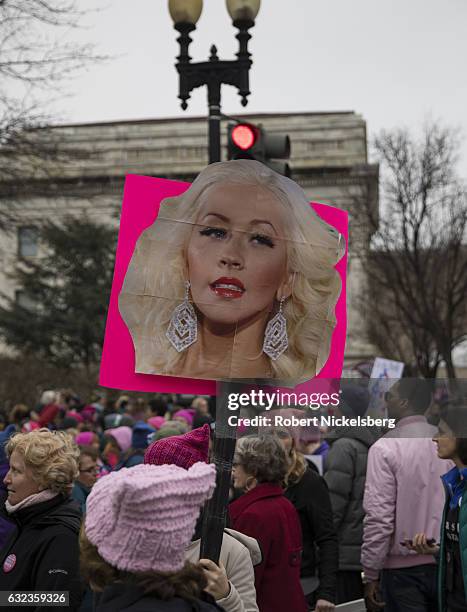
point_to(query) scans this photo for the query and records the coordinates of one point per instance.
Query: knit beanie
(354, 401)
(88, 413)
(85, 438)
(122, 436)
(184, 451)
(156, 422)
(186, 415)
(120, 506)
(141, 431)
(166, 432)
(180, 426)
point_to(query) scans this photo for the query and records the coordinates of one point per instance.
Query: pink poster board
(140, 207)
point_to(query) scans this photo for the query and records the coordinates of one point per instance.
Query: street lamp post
(214, 72)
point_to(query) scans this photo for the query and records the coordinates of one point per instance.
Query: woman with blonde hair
(42, 553)
(234, 279)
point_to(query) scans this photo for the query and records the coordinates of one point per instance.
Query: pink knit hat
(186, 415)
(122, 436)
(183, 451)
(88, 413)
(85, 438)
(156, 422)
(120, 506)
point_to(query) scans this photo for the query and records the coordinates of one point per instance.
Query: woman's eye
(262, 239)
(215, 232)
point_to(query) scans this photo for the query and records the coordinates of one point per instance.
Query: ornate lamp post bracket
(214, 72)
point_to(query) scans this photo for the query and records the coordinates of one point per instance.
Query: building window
(28, 241)
(24, 300)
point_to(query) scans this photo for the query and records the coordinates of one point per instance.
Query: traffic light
(248, 141)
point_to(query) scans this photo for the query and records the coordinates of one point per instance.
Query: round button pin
(9, 563)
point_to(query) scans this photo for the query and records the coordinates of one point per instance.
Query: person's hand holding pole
(218, 583)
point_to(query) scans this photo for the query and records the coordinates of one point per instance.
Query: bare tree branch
(37, 54)
(417, 262)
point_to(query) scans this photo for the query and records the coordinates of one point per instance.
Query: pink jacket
(403, 496)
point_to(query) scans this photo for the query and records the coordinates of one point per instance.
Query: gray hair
(48, 397)
(263, 457)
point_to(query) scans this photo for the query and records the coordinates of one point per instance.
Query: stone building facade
(328, 159)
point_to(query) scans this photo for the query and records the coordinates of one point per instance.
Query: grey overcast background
(396, 62)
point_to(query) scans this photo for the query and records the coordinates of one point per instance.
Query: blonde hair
(52, 458)
(296, 462)
(155, 281)
(297, 466)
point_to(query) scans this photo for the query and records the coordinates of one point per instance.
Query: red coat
(48, 414)
(265, 514)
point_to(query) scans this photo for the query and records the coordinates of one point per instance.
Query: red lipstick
(227, 287)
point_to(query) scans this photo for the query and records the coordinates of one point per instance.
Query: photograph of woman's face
(234, 279)
(237, 255)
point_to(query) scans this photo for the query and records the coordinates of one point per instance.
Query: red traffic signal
(244, 136)
(249, 141)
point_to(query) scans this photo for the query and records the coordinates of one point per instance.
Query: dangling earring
(183, 327)
(276, 341)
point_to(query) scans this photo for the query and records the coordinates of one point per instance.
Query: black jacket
(310, 497)
(345, 476)
(129, 598)
(46, 551)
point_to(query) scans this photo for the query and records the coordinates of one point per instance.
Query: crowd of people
(106, 500)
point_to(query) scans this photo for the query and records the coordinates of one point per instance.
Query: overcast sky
(396, 62)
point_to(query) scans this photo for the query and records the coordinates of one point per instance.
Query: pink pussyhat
(156, 421)
(186, 415)
(88, 413)
(184, 451)
(142, 518)
(85, 438)
(122, 436)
